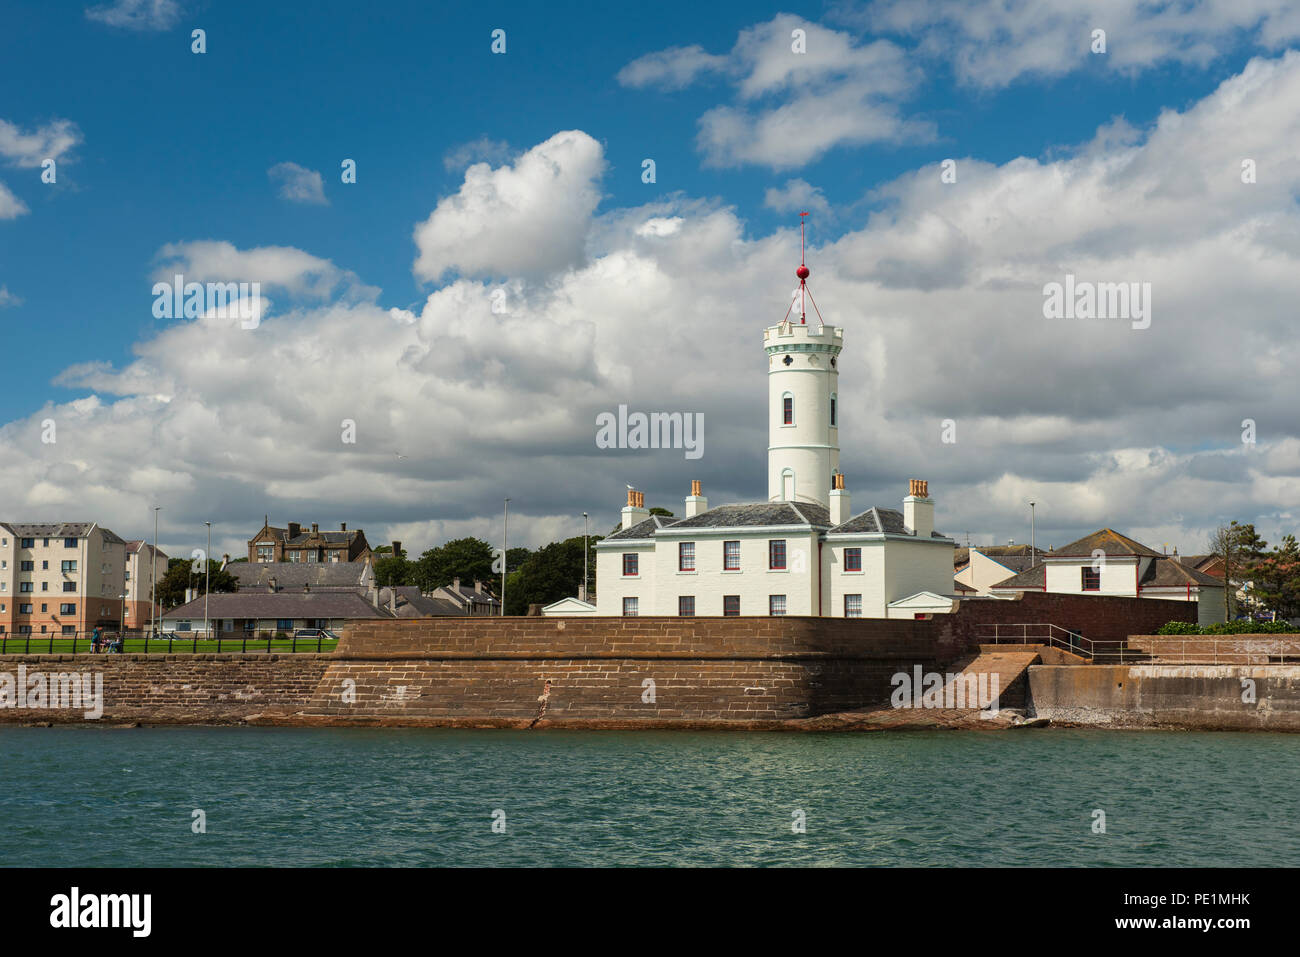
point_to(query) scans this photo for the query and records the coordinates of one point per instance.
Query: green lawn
(41, 644)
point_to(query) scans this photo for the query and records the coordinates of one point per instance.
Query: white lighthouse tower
(803, 446)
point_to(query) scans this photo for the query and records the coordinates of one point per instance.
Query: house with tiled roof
(295, 544)
(1109, 563)
(473, 599)
(978, 568)
(801, 552)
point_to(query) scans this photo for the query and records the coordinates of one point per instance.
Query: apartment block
(144, 566)
(60, 578)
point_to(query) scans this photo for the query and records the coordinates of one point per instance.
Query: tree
(181, 575)
(465, 558)
(1275, 579)
(394, 570)
(546, 575)
(1238, 546)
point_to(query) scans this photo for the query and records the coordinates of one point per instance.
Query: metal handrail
(1223, 649)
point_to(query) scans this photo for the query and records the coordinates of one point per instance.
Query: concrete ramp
(998, 669)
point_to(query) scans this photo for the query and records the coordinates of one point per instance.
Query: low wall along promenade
(637, 672)
(666, 672)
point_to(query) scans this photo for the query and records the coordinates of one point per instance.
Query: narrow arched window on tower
(834, 403)
(787, 409)
(787, 486)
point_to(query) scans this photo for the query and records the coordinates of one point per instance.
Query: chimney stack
(840, 511)
(271, 584)
(294, 529)
(343, 526)
(397, 549)
(315, 528)
(696, 502)
(455, 584)
(478, 587)
(918, 509)
(634, 511)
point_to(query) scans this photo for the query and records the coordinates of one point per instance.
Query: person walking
(95, 640)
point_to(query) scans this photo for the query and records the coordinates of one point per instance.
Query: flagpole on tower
(802, 272)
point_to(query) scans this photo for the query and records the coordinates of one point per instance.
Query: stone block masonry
(647, 672)
(180, 689)
(755, 672)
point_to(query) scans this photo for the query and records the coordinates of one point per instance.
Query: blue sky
(175, 148)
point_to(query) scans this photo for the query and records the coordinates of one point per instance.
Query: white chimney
(840, 512)
(634, 512)
(918, 509)
(695, 502)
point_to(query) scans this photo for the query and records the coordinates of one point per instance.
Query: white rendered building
(802, 552)
(1108, 563)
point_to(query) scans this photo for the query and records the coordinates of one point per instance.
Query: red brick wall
(1097, 617)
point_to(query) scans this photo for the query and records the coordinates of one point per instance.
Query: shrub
(1229, 628)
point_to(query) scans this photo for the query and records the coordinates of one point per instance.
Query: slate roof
(1163, 572)
(766, 514)
(330, 538)
(1031, 579)
(469, 594)
(877, 521)
(58, 530)
(412, 604)
(137, 545)
(1109, 541)
(1168, 573)
(1015, 557)
(281, 604)
(758, 514)
(298, 574)
(644, 529)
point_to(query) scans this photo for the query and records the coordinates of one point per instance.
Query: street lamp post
(1033, 549)
(153, 577)
(207, 579)
(505, 550)
(585, 547)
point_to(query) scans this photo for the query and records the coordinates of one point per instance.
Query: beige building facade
(60, 578)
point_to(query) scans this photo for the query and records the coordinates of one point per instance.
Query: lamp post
(505, 550)
(585, 547)
(153, 577)
(207, 579)
(1033, 549)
